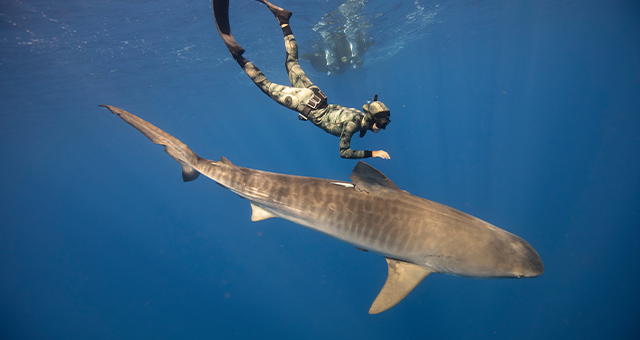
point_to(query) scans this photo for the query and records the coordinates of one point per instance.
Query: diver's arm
(345, 143)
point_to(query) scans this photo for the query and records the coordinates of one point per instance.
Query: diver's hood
(377, 110)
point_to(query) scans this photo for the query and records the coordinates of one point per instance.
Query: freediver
(304, 97)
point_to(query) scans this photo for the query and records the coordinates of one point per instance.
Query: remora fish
(416, 236)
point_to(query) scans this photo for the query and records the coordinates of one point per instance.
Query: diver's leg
(221, 16)
(297, 77)
(289, 97)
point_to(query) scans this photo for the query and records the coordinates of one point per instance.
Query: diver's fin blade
(403, 278)
(259, 214)
(221, 16)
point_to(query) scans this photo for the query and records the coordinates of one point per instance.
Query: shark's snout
(531, 263)
(536, 267)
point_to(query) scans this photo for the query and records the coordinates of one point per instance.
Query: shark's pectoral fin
(403, 278)
(259, 214)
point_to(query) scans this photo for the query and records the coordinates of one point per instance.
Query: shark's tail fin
(175, 148)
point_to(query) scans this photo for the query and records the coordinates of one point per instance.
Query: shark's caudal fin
(175, 148)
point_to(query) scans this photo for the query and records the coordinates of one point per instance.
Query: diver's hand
(380, 154)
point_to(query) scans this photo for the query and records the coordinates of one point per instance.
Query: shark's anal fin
(188, 173)
(403, 278)
(259, 214)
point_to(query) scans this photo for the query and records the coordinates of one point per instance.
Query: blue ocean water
(523, 113)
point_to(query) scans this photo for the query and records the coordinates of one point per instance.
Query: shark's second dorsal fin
(366, 176)
(403, 278)
(224, 160)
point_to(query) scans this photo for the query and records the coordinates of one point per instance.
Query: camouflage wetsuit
(335, 119)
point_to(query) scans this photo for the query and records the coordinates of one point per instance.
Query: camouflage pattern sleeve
(348, 130)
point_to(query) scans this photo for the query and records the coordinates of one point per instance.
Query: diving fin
(221, 15)
(281, 14)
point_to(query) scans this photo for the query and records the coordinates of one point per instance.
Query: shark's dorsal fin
(259, 214)
(403, 278)
(366, 176)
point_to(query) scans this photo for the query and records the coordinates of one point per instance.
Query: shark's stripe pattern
(417, 236)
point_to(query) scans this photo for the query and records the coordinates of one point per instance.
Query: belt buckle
(314, 101)
(317, 99)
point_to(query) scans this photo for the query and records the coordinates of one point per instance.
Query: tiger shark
(416, 236)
